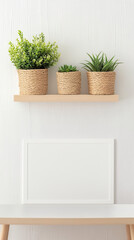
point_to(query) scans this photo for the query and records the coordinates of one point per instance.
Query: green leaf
(67, 68)
(100, 62)
(33, 55)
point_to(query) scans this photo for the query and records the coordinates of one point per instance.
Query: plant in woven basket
(33, 55)
(100, 63)
(67, 68)
(32, 59)
(68, 80)
(100, 74)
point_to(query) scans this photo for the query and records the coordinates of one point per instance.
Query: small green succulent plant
(33, 55)
(67, 68)
(100, 63)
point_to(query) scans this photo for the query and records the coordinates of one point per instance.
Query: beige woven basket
(101, 83)
(33, 81)
(69, 83)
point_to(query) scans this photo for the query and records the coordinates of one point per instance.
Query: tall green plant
(100, 63)
(33, 55)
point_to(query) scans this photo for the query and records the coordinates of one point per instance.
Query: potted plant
(100, 74)
(32, 60)
(68, 80)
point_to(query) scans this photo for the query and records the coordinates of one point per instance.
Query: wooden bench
(67, 215)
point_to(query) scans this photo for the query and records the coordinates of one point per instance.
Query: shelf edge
(66, 98)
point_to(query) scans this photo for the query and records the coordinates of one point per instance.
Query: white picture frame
(68, 171)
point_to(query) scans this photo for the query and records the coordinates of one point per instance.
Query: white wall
(78, 27)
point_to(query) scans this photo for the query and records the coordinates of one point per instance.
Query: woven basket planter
(101, 83)
(33, 81)
(69, 83)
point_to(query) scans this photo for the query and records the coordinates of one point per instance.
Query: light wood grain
(67, 221)
(66, 98)
(4, 232)
(128, 232)
(132, 231)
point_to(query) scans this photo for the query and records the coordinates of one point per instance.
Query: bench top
(67, 214)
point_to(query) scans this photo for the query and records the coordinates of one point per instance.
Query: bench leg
(128, 232)
(132, 231)
(4, 232)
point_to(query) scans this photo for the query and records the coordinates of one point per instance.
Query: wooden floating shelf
(66, 98)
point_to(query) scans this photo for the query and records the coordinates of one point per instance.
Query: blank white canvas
(68, 171)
